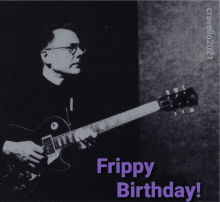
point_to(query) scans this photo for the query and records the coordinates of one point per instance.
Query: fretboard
(104, 125)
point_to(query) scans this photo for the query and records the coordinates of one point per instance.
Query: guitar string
(95, 126)
(60, 140)
(72, 132)
(91, 126)
(102, 121)
(66, 135)
(62, 145)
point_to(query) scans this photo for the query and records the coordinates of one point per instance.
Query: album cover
(109, 100)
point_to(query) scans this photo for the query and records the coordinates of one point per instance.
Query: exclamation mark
(198, 189)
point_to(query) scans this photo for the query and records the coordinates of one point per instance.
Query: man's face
(63, 60)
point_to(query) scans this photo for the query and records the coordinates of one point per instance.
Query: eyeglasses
(72, 48)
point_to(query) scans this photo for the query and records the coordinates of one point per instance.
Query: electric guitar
(54, 134)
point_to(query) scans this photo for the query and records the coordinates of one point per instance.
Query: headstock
(178, 100)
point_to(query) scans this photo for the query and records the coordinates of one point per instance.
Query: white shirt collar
(52, 76)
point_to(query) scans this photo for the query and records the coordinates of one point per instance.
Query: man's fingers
(82, 134)
(81, 146)
(77, 138)
(92, 133)
(89, 133)
(32, 165)
(85, 138)
(37, 156)
(34, 160)
(38, 149)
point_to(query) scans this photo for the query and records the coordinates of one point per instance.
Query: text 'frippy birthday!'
(149, 190)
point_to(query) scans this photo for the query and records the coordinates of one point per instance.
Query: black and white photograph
(109, 100)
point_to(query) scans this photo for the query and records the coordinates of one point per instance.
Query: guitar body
(19, 180)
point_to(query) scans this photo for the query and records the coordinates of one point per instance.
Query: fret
(62, 143)
(115, 120)
(64, 140)
(92, 127)
(73, 137)
(69, 138)
(98, 130)
(111, 123)
(56, 144)
(84, 127)
(108, 124)
(101, 126)
(128, 115)
(59, 142)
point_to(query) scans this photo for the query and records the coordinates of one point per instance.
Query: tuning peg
(183, 111)
(167, 92)
(183, 87)
(176, 90)
(175, 113)
(191, 110)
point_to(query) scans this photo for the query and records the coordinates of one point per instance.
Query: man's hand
(85, 138)
(27, 152)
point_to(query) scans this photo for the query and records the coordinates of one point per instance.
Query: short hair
(47, 35)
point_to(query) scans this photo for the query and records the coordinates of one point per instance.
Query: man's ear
(45, 57)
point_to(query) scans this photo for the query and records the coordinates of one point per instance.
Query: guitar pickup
(48, 145)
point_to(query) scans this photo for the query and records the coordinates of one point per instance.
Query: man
(46, 96)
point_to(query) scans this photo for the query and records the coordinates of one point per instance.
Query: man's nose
(79, 52)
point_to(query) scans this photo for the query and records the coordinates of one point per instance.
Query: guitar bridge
(48, 145)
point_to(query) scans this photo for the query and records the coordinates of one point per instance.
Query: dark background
(108, 82)
(172, 53)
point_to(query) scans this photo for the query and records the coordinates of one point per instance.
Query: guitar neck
(122, 118)
(110, 123)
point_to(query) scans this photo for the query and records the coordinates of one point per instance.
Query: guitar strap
(70, 110)
(71, 104)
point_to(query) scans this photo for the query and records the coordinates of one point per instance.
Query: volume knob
(15, 189)
(22, 187)
(5, 176)
(21, 175)
(28, 176)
